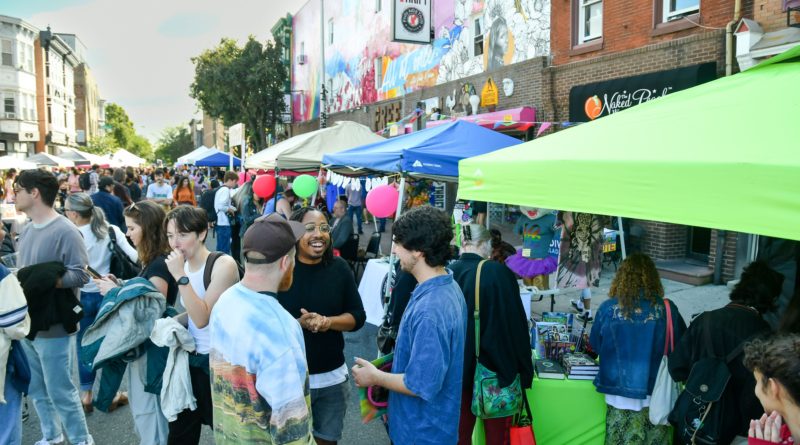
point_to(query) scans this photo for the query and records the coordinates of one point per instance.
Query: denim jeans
(224, 239)
(11, 415)
(359, 216)
(52, 391)
(148, 419)
(91, 304)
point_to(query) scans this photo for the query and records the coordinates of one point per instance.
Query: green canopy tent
(724, 155)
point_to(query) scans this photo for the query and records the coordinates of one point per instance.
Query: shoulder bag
(489, 400)
(121, 265)
(665, 391)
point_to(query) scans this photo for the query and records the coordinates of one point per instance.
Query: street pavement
(117, 427)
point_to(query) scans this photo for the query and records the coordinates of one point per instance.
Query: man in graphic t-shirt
(259, 376)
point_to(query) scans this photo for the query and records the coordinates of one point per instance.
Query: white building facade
(19, 130)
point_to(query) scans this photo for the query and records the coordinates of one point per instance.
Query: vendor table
(370, 289)
(569, 412)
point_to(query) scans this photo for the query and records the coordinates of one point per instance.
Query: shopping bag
(373, 401)
(666, 390)
(521, 432)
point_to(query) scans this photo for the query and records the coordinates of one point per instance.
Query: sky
(139, 51)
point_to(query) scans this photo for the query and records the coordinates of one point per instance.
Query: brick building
(620, 54)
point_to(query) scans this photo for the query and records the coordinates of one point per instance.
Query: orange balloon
(593, 107)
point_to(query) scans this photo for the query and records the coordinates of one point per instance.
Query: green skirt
(625, 427)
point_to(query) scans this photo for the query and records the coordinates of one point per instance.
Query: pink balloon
(382, 201)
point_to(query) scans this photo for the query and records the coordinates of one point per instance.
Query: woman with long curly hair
(629, 333)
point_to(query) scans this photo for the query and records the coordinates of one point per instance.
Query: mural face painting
(363, 66)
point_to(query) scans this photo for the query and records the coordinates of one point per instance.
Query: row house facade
(550, 59)
(19, 131)
(55, 79)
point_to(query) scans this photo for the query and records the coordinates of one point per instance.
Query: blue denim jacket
(631, 348)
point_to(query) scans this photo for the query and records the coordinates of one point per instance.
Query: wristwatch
(183, 281)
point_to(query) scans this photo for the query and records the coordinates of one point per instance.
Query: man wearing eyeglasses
(51, 354)
(324, 298)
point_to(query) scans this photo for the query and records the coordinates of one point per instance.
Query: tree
(101, 145)
(123, 133)
(242, 85)
(173, 143)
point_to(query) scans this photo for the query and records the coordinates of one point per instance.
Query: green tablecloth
(564, 412)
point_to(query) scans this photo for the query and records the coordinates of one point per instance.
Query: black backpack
(84, 181)
(121, 266)
(207, 204)
(212, 258)
(699, 415)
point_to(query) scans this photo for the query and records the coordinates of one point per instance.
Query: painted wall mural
(363, 66)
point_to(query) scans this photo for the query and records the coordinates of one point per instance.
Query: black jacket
(505, 342)
(727, 327)
(48, 306)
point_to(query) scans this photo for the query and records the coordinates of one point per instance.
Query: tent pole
(392, 258)
(621, 237)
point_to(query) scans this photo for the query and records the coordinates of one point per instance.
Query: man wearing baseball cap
(259, 374)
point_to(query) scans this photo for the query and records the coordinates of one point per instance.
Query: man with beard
(324, 298)
(259, 376)
(425, 381)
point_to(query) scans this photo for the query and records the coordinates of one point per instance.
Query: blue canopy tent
(432, 153)
(217, 159)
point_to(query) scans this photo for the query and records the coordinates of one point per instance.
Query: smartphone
(93, 273)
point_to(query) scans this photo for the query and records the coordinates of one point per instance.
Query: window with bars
(590, 20)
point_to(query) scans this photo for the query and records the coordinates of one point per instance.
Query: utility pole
(323, 97)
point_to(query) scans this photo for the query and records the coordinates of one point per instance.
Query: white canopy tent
(9, 162)
(82, 158)
(49, 160)
(304, 152)
(124, 158)
(198, 153)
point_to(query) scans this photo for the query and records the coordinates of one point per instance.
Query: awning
(720, 155)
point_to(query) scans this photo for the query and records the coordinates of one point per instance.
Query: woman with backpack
(91, 222)
(202, 277)
(721, 334)
(629, 334)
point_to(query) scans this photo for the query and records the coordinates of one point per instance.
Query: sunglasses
(323, 228)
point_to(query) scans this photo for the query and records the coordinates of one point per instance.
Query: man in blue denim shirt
(429, 357)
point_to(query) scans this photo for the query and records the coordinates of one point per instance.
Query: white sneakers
(60, 440)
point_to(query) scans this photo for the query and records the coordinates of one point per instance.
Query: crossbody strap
(669, 339)
(477, 313)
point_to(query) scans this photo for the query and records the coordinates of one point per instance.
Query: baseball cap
(271, 236)
(105, 181)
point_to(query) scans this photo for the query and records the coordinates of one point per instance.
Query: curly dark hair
(759, 287)
(298, 215)
(636, 278)
(777, 357)
(425, 229)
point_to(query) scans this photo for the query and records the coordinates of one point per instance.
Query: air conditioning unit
(11, 115)
(302, 59)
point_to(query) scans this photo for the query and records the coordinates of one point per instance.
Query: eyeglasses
(323, 228)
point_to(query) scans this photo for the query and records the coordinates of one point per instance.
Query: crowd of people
(113, 271)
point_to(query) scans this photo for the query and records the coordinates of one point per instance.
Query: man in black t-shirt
(324, 298)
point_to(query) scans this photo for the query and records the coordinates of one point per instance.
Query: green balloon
(305, 186)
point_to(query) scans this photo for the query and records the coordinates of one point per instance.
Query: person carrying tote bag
(497, 356)
(666, 390)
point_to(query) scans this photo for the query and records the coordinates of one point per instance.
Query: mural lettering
(386, 114)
